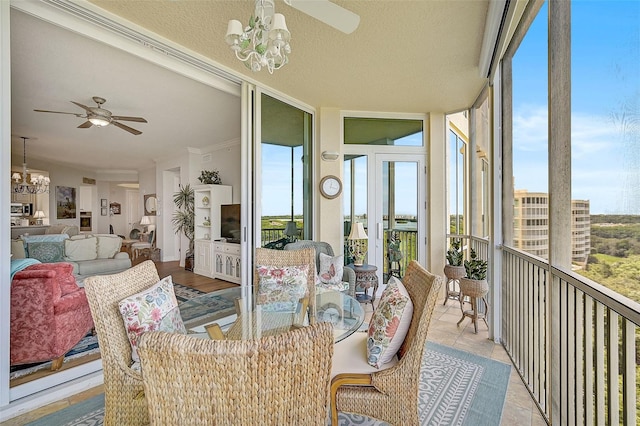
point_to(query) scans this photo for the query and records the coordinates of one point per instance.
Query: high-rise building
(531, 225)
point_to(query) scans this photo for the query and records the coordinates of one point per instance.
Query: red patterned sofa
(49, 314)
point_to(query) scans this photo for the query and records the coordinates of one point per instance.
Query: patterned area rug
(89, 344)
(457, 388)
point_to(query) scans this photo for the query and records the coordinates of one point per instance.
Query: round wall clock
(330, 186)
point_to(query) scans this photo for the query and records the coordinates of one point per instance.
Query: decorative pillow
(78, 250)
(144, 312)
(280, 288)
(46, 251)
(331, 269)
(17, 249)
(108, 246)
(389, 324)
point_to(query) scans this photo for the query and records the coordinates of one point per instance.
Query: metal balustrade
(573, 342)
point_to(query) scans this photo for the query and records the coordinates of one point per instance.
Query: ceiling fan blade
(125, 118)
(85, 125)
(86, 108)
(127, 128)
(330, 13)
(59, 112)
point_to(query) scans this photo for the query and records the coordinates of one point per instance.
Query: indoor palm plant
(184, 219)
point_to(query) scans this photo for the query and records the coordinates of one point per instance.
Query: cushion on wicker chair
(330, 272)
(389, 323)
(144, 311)
(280, 288)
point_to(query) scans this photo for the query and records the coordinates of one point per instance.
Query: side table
(366, 277)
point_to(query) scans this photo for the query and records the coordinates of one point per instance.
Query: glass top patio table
(342, 310)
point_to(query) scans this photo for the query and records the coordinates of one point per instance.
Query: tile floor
(519, 408)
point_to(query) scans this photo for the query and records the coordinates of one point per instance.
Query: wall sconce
(330, 155)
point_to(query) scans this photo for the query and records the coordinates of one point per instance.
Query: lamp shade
(290, 230)
(145, 220)
(39, 214)
(357, 232)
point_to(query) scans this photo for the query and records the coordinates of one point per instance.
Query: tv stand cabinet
(227, 261)
(207, 201)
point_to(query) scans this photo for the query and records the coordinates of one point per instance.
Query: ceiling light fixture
(39, 184)
(265, 42)
(99, 121)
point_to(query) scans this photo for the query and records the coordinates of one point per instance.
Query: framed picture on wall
(103, 202)
(65, 202)
(103, 211)
(115, 208)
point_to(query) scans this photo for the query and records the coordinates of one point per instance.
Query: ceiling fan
(100, 117)
(330, 13)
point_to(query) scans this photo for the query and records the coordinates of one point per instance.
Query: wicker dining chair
(280, 258)
(276, 380)
(392, 394)
(125, 403)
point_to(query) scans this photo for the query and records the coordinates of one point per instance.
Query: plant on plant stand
(453, 270)
(475, 287)
(184, 219)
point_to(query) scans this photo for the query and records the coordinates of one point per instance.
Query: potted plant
(210, 177)
(475, 287)
(453, 270)
(184, 218)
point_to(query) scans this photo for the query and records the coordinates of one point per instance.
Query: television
(230, 223)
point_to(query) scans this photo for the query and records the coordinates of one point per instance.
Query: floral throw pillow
(389, 323)
(144, 312)
(280, 288)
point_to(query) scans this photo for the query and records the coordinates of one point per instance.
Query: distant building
(531, 225)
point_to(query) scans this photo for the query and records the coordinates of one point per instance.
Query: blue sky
(605, 116)
(605, 106)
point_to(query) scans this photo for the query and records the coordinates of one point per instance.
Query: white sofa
(90, 254)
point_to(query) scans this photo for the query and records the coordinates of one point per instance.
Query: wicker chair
(392, 394)
(348, 274)
(276, 380)
(281, 258)
(125, 403)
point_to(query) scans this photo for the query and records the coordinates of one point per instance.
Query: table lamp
(145, 221)
(358, 243)
(38, 216)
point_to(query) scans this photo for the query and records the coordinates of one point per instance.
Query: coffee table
(219, 307)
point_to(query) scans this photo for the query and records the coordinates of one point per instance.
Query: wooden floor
(178, 274)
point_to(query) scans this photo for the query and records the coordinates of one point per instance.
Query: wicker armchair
(125, 403)
(348, 274)
(392, 394)
(281, 258)
(276, 380)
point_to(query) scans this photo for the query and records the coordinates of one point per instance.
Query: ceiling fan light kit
(264, 43)
(100, 117)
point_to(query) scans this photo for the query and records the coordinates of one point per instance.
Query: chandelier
(265, 42)
(39, 184)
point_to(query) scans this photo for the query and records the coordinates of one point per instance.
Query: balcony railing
(572, 341)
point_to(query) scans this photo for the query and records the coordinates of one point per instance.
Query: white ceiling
(406, 56)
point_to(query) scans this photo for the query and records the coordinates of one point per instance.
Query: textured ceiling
(406, 56)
